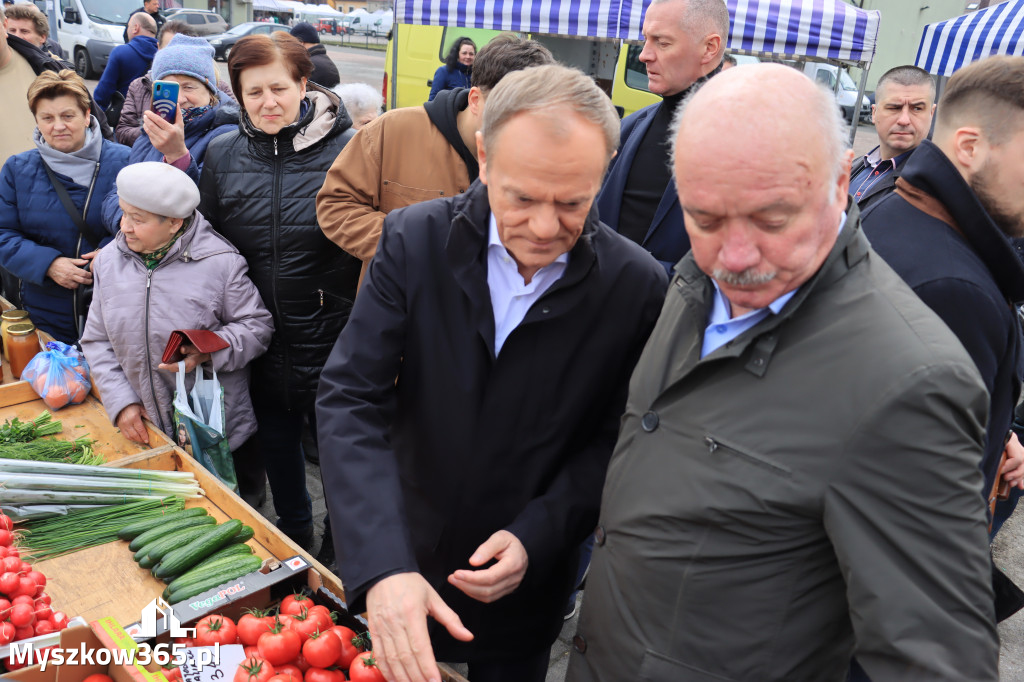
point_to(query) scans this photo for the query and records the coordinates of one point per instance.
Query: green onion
(83, 528)
(53, 450)
(83, 483)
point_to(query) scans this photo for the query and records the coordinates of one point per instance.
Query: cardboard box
(100, 636)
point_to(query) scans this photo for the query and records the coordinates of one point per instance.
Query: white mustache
(743, 279)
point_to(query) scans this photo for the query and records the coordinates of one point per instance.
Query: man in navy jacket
(128, 62)
(512, 319)
(946, 230)
(683, 44)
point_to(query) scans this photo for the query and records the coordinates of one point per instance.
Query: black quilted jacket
(259, 191)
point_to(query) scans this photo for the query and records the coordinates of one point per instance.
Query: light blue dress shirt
(723, 328)
(511, 297)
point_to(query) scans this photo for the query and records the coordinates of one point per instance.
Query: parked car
(203, 21)
(327, 26)
(223, 42)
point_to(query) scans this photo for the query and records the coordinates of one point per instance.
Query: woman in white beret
(167, 269)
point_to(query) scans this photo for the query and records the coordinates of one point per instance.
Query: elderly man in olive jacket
(796, 479)
(512, 319)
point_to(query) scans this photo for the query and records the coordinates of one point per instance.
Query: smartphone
(165, 100)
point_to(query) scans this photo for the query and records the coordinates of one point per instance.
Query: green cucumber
(161, 547)
(224, 557)
(143, 540)
(244, 535)
(177, 561)
(146, 561)
(240, 566)
(132, 530)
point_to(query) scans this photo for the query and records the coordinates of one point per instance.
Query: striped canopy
(822, 29)
(948, 45)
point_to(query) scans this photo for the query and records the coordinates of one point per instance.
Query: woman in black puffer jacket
(259, 187)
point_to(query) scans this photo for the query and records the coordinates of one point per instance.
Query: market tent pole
(394, 65)
(860, 99)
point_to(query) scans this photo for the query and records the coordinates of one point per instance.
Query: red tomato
(288, 669)
(364, 669)
(351, 645)
(6, 633)
(6, 538)
(173, 675)
(250, 651)
(284, 677)
(322, 649)
(322, 615)
(279, 645)
(294, 603)
(254, 669)
(98, 677)
(22, 615)
(301, 663)
(302, 624)
(252, 625)
(216, 630)
(325, 675)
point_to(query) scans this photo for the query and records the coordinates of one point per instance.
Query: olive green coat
(808, 491)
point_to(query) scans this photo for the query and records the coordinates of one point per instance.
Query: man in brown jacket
(414, 154)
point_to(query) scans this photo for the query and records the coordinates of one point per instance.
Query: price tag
(212, 663)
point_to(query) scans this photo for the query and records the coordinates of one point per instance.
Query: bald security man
(796, 477)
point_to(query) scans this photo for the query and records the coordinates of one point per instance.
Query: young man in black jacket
(325, 72)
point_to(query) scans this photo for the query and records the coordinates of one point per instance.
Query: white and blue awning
(948, 45)
(821, 29)
(595, 18)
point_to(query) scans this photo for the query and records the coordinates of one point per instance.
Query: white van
(89, 29)
(847, 93)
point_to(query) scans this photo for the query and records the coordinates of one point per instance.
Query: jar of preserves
(22, 346)
(8, 318)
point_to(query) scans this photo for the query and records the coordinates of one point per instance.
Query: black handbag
(83, 293)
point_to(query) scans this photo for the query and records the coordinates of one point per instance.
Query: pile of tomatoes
(24, 607)
(300, 644)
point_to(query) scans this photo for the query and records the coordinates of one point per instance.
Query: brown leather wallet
(204, 340)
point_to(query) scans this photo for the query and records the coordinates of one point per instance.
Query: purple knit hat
(187, 56)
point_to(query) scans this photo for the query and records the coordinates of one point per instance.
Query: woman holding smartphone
(199, 113)
(43, 242)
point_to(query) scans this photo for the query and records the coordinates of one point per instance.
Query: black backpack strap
(65, 199)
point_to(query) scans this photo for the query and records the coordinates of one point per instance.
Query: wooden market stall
(105, 581)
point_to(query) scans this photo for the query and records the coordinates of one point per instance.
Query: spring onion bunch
(82, 528)
(78, 451)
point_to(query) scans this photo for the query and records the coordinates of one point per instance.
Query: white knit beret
(158, 188)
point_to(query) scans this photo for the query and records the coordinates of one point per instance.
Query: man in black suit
(902, 114)
(512, 319)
